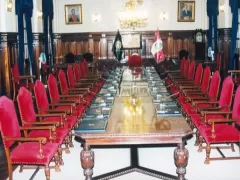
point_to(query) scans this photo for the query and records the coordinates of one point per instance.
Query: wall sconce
(96, 17)
(164, 16)
(39, 14)
(221, 8)
(9, 5)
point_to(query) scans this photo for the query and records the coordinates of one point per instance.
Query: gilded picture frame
(73, 14)
(186, 11)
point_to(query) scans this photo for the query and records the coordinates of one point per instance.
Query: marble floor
(158, 158)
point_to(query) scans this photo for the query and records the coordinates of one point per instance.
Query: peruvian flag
(157, 48)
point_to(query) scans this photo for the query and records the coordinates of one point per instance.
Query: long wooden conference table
(134, 122)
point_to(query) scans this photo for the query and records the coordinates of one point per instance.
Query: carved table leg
(87, 161)
(181, 160)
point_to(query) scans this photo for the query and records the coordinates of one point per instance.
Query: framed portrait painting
(186, 11)
(73, 14)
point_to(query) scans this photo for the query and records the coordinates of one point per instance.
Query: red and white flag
(157, 48)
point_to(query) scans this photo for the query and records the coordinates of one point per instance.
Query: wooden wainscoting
(100, 44)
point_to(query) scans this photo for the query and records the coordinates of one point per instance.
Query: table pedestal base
(180, 157)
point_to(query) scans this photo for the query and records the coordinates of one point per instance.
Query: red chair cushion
(28, 153)
(223, 133)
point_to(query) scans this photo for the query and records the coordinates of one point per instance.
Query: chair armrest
(210, 121)
(188, 87)
(54, 110)
(78, 89)
(53, 128)
(62, 104)
(197, 98)
(216, 112)
(42, 140)
(65, 96)
(196, 93)
(27, 77)
(51, 115)
(56, 123)
(204, 102)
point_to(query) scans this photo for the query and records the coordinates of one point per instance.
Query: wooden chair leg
(197, 138)
(47, 172)
(21, 168)
(200, 147)
(232, 147)
(56, 159)
(208, 151)
(10, 171)
(70, 139)
(60, 156)
(66, 145)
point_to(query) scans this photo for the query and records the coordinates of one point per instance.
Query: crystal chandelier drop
(132, 16)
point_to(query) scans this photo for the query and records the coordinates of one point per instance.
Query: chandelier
(132, 16)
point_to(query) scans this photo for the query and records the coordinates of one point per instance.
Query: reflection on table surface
(147, 122)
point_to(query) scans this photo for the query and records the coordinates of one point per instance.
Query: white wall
(225, 17)
(109, 15)
(7, 19)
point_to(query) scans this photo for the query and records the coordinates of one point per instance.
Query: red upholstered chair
(221, 131)
(175, 73)
(200, 90)
(190, 108)
(29, 118)
(68, 100)
(76, 94)
(135, 61)
(185, 71)
(181, 81)
(45, 107)
(92, 88)
(222, 105)
(18, 80)
(28, 151)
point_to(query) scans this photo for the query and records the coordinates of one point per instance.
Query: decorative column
(5, 77)
(36, 52)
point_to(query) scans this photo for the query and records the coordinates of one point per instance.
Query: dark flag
(117, 48)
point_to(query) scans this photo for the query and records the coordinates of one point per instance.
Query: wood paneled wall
(100, 44)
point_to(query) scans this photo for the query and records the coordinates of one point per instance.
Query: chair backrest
(182, 65)
(214, 86)
(76, 72)
(15, 73)
(41, 97)
(81, 73)
(225, 100)
(186, 67)
(70, 76)
(236, 105)
(53, 89)
(63, 82)
(26, 106)
(82, 69)
(198, 75)
(9, 125)
(191, 70)
(85, 66)
(135, 61)
(206, 79)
